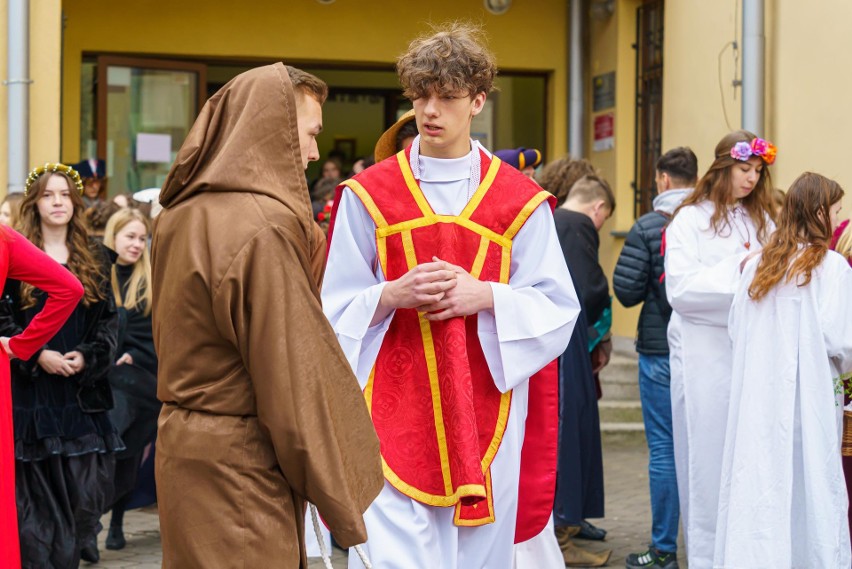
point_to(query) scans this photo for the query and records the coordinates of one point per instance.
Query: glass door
(145, 109)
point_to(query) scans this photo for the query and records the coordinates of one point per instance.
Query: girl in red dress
(21, 260)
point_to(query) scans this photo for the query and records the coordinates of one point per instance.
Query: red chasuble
(439, 417)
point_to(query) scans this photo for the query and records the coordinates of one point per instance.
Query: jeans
(654, 391)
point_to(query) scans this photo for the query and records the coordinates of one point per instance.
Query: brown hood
(245, 140)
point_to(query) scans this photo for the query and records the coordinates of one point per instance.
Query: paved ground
(628, 516)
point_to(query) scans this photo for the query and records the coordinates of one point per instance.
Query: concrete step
(621, 422)
(620, 409)
(620, 378)
(620, 412)
(623, 435)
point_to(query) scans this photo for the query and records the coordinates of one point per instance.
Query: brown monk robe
(261, 410)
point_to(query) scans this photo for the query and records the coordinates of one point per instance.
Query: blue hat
(91, 168)
(520, 158)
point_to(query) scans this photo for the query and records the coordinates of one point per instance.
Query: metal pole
(754, 46)
(575, 80)
(18, 84)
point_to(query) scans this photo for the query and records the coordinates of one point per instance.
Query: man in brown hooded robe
(261, 410)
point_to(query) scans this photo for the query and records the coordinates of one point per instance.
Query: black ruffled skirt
(60, 500)
(64, 468)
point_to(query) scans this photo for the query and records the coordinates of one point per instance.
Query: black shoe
(115, 538)
(89, 552)
(651, 559)
(588, 531)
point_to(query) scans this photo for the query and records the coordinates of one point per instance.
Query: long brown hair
(715, 187)
(805, 221)
(82, 260)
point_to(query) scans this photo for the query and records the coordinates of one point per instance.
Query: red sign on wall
(604, 132)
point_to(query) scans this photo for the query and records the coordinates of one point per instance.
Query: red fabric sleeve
(30, 264)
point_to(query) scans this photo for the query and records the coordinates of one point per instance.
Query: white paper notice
(154, 148)
(119, 76)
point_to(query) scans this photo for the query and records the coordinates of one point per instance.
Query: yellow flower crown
(48, 167)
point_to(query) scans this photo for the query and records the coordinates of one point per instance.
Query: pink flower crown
(742, 151)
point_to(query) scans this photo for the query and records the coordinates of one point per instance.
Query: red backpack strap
(668, 217)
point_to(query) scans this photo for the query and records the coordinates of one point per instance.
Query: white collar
(447, 169)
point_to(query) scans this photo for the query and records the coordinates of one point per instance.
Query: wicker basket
(846, 447)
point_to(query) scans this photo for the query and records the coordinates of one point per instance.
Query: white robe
(530, 325)
(702, 273)
(540, 552)
(783, 500)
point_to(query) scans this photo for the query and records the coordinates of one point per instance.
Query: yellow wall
(45, 56)
(306, 32)
(806, 83)
(696, 31)
(610, 49)
(809, 84)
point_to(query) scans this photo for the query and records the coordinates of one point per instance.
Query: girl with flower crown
(64, 440)
(726, 218)
(783, 496)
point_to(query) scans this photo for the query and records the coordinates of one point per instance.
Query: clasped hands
(54, 362)
(440, 289)
(66, 365)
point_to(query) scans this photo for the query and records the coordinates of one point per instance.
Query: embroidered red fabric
(453, 468)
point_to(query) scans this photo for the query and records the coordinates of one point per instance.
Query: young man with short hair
(260, 410)
(639, 278)
(580, 490)
(589, 200)
(447, 291)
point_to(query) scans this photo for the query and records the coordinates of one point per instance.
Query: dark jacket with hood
(261, 410)
(638, 275)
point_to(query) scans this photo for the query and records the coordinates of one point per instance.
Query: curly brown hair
(97, 216)
(805, 221)
(452, 59)
(559, 176)
(82, 260)
(715, 187)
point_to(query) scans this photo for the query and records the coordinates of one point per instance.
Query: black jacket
(637, 278)
(579, 241)
(135, 335)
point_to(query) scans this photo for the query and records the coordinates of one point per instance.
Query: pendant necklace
(747, 238)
